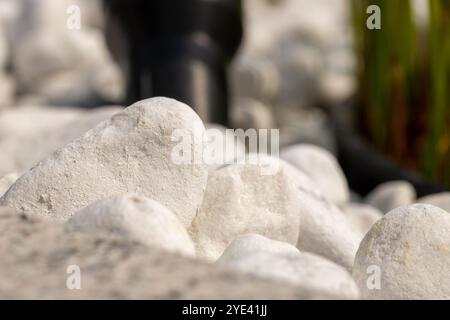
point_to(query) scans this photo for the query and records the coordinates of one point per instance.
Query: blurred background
(300, 62)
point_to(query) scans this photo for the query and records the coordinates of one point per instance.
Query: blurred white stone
(247, 113)
(362, 217)
(406, 255)
(7, 90)
(440, 200)
(391, 195)
(139, 218)
(270, 259)
(323, 169)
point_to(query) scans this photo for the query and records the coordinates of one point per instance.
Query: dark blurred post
(177, 48)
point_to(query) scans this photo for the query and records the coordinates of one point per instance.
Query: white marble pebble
(139, 218)
(406, 255)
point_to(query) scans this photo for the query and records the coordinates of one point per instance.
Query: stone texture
(280, 261)
(138, 218)
(411, 248)
(323, 169)
(390, 195)
(244, 198)
(131, 152)
(35, 255)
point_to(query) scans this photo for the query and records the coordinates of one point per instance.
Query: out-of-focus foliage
(404, 84)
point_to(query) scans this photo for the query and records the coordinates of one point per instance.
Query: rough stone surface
(246, 198)
(138, 218)
(36, 255)
(323, 169)
(411, 248)
(390, 195)
(440, 200)
(280, 261)
(131, 152)
(362, 217)
(7, 181)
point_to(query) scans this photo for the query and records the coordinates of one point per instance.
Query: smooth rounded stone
(248, 244)
(406, 255)
(247, 113)
(82, 88)
(440, 200)
(284, 263)
(325, 231)
(7, 181)
(139, 218)
(251, 197)
(323, 169)
(131, 152)
(362, 217)
(390, 195)
(222, 147)
(25, 147)
(38, 258)
(43, 53)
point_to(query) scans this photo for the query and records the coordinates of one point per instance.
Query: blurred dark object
(177, 48)
(364, 168)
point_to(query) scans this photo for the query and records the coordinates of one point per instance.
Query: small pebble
(138, 218)
(390, 195)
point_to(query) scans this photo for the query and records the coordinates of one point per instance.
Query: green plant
(404, 84)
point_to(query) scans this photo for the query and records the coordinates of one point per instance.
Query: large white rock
(131, 152)
(362, 217)
(279, 261)
(252, 197)
(406, 255)
(390, 195)
(7, 181)
(323, 169)
(27, 143)
(440, 200)
(139, 218)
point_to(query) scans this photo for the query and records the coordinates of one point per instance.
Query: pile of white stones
(113, 171)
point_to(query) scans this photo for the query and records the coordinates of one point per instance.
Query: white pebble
(139, 218)
(131, 152)
(323, 169)
(406, 255)
(270, 259)
(390, 195)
